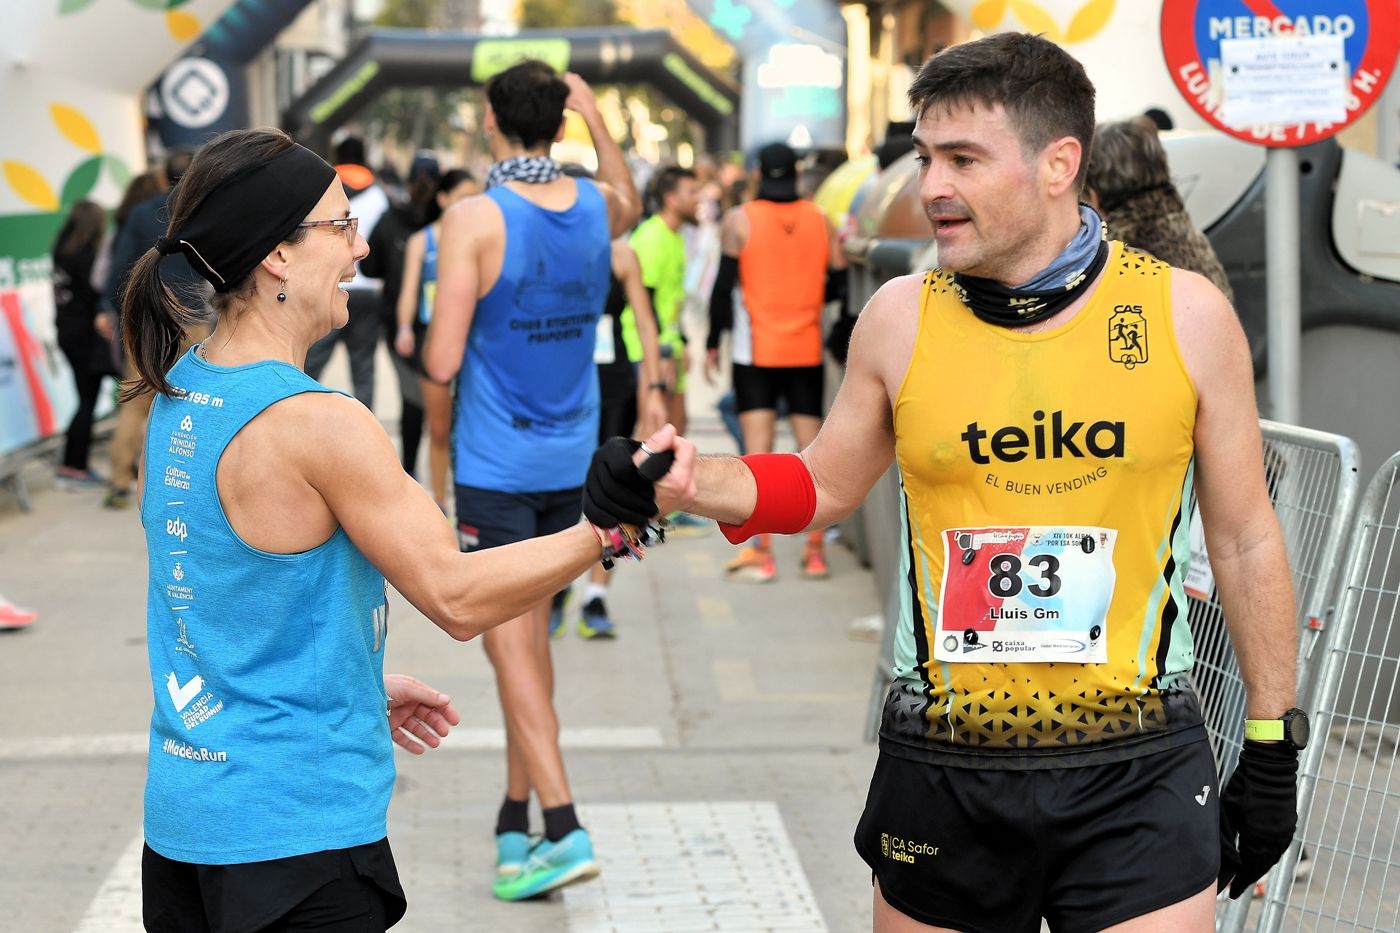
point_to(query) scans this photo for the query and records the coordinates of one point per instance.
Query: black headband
(248, 214)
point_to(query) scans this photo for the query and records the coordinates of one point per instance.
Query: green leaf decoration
(117, 171)
(158, 5)
(80, 184)
(71, 6)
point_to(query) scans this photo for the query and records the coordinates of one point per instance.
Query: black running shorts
(994, 851)
(487, 518)
(353, 890)
(757, 387)
(617, 402)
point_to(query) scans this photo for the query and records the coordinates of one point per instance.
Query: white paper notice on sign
(1200, 581)
(1283, 80)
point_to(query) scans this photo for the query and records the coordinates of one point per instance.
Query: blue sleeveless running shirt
(427, 280)
(527, 395)
(269, 736)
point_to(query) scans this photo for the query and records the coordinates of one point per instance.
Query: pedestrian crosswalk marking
(700, 866)
(116, 908)
(695, 866)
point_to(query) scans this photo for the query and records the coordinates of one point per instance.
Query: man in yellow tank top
(1050, 398)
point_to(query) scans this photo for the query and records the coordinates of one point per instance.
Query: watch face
(1296, 722)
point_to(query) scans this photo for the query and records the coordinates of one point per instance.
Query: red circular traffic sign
(1193, 29)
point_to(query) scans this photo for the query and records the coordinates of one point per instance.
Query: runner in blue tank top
(274, 513)
(522, 279)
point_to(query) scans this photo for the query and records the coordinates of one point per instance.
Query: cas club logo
(1127, 336)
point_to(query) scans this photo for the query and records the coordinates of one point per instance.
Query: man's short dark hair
(528, 100)
(1043, 89)
(349, 151)
(667, 179)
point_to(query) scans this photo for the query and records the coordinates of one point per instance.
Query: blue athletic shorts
(487, 518)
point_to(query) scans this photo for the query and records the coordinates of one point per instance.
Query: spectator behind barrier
(1130, 184)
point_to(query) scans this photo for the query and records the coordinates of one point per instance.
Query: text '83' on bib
(1032, 593)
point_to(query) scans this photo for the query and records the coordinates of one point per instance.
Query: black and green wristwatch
(1292, 728)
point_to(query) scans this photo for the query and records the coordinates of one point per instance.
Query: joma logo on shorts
(902, 850)
(1102, 439)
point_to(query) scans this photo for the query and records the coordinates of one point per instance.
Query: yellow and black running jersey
(1044, 477)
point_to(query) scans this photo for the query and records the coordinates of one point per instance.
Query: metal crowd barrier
(12, 467)
(1313, 482)
(1349, 787)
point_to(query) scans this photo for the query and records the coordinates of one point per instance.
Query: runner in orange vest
(781, 264)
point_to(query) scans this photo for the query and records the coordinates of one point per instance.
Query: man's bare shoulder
(1199, 310)
(1208, 331)
(898, 298)
(883, 340)
(474, 217)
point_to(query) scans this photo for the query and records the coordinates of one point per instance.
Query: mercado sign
(1280, 72)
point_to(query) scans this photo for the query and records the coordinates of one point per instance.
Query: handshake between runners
(635, 482)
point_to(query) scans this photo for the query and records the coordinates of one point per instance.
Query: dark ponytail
(154, 321)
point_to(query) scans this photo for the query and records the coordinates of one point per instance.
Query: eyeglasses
(350, 226)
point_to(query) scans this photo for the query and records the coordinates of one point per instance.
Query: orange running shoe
(814, 563)
(752, 566)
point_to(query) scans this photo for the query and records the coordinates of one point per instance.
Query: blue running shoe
(556, 612)
(512, 849)
(551, 866)
(595, 622)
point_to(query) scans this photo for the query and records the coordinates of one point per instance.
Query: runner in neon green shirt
(661, 250)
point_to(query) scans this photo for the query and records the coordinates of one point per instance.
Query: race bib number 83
(1034, 593)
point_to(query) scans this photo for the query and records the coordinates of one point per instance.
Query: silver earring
(282, 292)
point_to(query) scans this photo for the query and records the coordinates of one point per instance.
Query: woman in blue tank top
(415, 310)
(274, 512)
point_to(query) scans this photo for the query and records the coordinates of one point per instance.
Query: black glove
(615, 491)
(1260, 803)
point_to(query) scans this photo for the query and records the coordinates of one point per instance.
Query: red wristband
(787, 498)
